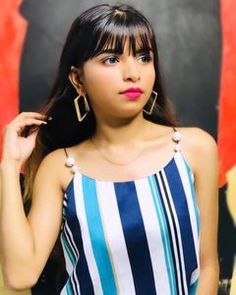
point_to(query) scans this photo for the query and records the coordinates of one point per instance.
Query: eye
(145, 58)
(110, 60)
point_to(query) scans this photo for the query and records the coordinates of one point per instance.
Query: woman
(110, 173)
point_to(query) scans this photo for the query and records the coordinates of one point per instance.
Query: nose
(131, 71)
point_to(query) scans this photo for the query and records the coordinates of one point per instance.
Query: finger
(32, 115)
(27, 122)
(26, 125)
(29, 115)
(28, 130)
(33, 134)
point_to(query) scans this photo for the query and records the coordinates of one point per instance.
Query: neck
(120, 131)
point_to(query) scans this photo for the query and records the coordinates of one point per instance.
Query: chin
(129, 114)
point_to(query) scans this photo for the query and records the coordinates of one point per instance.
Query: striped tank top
(132, 237)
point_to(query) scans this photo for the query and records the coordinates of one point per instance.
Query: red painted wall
(227, 105)
(12, 33)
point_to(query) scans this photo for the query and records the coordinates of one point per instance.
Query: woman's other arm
(205, 162)
(26, 242)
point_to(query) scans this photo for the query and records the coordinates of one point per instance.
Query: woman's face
(119, 84)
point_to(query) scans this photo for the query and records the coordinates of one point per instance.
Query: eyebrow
(110, 50)
(115, 51)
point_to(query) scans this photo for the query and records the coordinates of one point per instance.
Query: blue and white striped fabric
(135, 237)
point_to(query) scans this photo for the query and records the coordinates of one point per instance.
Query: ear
(75, 77)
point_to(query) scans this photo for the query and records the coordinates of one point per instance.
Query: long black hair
(101, 27)
(98, 28)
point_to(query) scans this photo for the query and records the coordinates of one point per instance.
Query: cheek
(96, 85)
(100, 75)
(97, 82)
(151, 75)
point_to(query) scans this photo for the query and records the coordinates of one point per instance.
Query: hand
(16, 147)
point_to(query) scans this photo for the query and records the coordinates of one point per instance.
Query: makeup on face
(132, 93)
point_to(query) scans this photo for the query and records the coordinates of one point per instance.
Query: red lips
(132, 93)
(133, 90)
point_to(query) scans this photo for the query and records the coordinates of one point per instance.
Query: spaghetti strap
(65, 150)
(174, 128)
(70, 162)
(176, 137)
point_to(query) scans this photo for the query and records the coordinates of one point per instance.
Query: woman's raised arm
(26, 242)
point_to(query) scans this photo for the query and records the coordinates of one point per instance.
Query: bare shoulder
(53, 167)
(193, 139)
(198, 139)
(199, 147)
(54, 159)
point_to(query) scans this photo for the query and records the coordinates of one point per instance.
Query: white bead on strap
(71, 163)
(177, 138)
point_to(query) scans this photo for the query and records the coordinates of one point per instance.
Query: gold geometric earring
(153, 103)
(79, 114)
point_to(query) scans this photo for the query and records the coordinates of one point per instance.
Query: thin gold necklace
(111, 161)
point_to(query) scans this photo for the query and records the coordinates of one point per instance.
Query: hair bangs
(113, 37)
